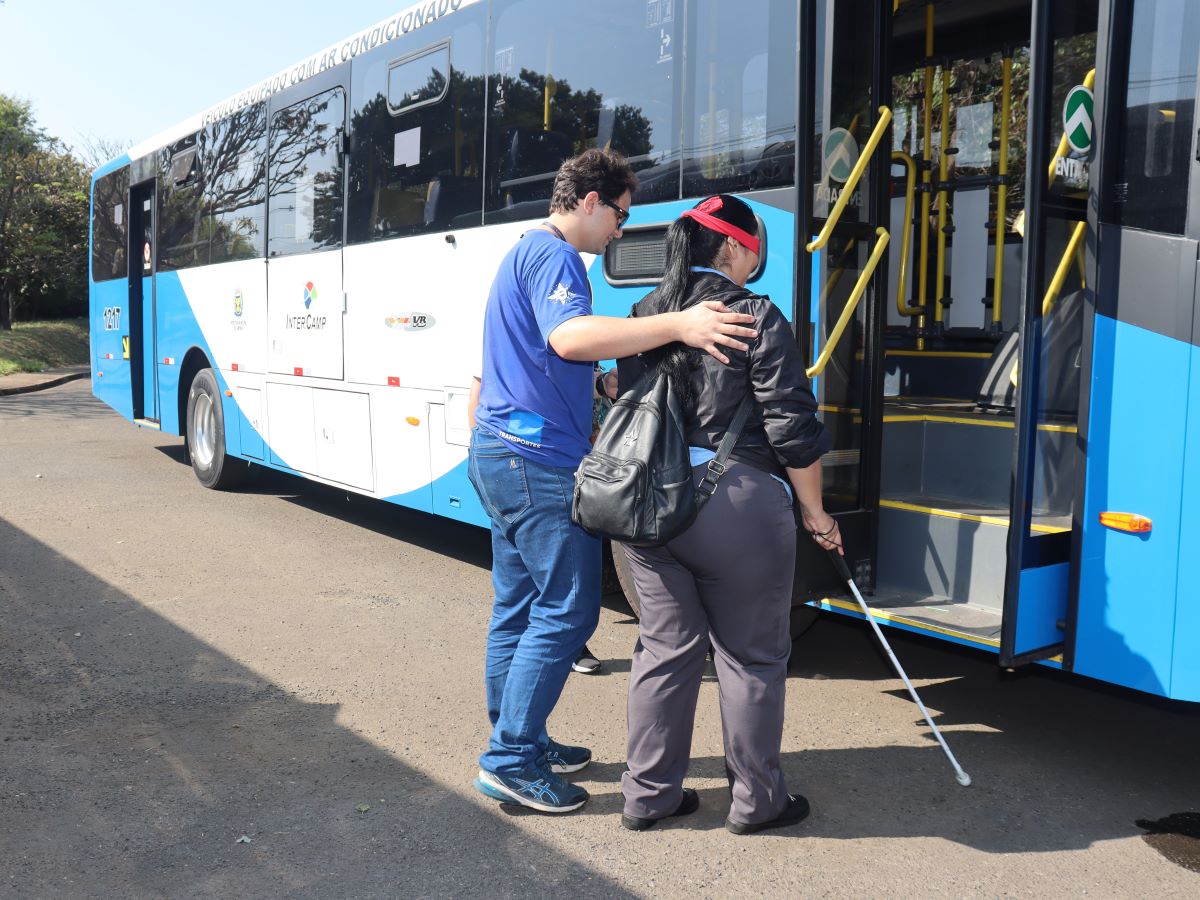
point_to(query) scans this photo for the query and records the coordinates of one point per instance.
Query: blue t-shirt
(532, 399)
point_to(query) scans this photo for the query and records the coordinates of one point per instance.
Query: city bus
(981, 219)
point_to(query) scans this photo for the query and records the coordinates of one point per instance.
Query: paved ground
(278, 692)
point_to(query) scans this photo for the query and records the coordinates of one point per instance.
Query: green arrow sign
(1077, 119)
(840, 154)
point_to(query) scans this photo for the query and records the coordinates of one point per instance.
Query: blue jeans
(546, 575)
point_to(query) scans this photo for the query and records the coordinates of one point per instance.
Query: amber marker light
(413, 420)
(1129, 522)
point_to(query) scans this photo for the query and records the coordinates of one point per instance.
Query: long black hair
(690, 244)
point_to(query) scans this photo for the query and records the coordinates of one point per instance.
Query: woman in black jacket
(727, 579)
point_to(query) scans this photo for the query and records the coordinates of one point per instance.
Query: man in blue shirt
(533, 424)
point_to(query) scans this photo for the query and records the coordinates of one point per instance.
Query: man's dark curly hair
(603, 171)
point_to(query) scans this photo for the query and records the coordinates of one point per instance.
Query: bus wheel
(205, 436)
(625, 577)
(802, 619)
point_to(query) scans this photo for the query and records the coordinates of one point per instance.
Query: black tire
(801, 620)
(625, 577)
(204, 436)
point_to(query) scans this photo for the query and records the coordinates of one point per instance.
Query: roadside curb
(53, 380)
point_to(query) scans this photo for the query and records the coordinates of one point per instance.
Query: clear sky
(124, 70)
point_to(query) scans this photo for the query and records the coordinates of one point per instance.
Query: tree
(43, 219)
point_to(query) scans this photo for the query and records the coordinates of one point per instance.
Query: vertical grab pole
(943, 195)
(926, 157)
(1002, 192)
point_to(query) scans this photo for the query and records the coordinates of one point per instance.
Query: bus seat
(451, 196)
(1062, 334)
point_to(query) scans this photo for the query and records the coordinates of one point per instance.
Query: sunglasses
(622, 214)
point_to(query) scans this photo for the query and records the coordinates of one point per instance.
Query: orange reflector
(1130, 522)
(413, 420)
(229, 393)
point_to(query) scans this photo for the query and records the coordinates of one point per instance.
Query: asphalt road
(278, 692)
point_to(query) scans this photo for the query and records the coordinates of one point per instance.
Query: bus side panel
(1185, 672)
(182, 301)
(1135, 452)
(108, 320)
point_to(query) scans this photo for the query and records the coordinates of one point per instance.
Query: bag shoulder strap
(716, 466)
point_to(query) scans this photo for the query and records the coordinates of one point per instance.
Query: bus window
(417, 125)
(234, 155)
(110, 219)
(418, 80)
(1155, 142)
(740, 131)
(306, 164)
(181, 239)
(551, 101)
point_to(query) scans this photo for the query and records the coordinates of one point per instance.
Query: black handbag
(635, 486)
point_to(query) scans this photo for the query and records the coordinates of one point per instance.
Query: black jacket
(782, 429)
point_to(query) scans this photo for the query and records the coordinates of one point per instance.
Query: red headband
(704, 215)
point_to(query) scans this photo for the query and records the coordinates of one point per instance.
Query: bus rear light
(413, 420)
(168, 360)
(1128, 522)
(393, 381)
(299, 370)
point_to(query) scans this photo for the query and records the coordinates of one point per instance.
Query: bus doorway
(143, 373)
(976, 396)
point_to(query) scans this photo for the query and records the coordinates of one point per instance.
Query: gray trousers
(728, 580)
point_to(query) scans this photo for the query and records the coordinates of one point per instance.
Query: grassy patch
(35, 346)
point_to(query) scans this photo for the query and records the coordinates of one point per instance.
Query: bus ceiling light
(1128, 522)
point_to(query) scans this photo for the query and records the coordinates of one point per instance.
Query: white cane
(960, 776)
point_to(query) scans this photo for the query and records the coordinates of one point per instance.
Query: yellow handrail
(910, 187)
(1002, 191)
(1089, 81)
(864, 159)
(943, 196)
(1064, 266)
(860, 287)
(836, 275)
(926, 174)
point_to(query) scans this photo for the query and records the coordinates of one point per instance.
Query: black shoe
(586, 664)
(797, 811)
(688, 805)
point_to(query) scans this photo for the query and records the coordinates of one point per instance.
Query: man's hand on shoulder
(710, 325)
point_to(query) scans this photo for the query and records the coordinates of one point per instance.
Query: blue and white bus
(994, 276)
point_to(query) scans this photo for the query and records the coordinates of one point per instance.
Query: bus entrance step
(963, 623)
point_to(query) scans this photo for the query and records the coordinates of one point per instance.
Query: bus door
(840, 263)
(139, 342)
(1059, 300)
(305, 298)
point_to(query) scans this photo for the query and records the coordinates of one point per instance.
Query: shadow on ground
(136, 757)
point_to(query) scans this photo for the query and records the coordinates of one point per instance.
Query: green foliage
(43, 220)
(35, 346)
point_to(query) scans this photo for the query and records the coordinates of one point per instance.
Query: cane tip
(963, 778)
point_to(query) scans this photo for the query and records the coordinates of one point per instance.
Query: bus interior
(938, 413)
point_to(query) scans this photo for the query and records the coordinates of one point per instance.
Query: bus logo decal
(413, 321)
(237, 303)
(310, 294)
